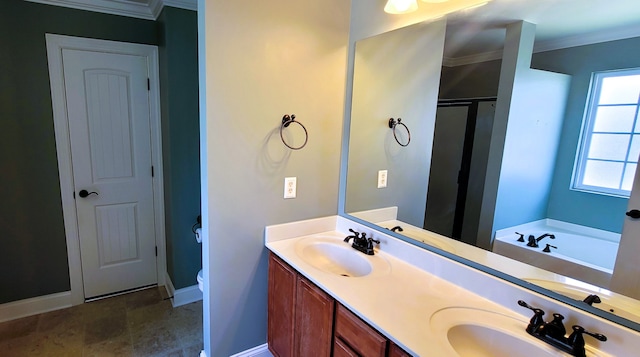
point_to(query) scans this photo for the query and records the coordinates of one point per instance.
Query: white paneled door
(109, 130)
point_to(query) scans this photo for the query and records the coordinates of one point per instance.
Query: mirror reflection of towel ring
(393, 124)
(286, 121)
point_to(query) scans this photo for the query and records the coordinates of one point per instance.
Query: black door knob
(634, 213)
(85, 193)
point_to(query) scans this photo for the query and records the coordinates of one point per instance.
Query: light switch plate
(290, 184)
(382, 178)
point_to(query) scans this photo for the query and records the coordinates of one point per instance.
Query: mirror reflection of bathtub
(583, 253)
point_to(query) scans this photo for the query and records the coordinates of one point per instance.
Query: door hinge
(156, 250)
(148, 84)
(152, 172)
(74, 195)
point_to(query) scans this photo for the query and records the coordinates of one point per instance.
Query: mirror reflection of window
(611, 138)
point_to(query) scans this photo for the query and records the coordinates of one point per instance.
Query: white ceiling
(478, 34)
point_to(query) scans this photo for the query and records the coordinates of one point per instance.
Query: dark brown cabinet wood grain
(300, 315)
(314, 320)
(303, 320)
(280, 311)
(340, 349)
(360, 337)
(395, 351)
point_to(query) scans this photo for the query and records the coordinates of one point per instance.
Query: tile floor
(136, 324)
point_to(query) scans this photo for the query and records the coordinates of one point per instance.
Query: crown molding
(475, 58)
(550, 45)
(148, 10)
(588, 39)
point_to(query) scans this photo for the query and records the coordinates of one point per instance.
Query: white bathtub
(582, 253)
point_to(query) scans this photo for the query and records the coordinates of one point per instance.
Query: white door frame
(55, 45)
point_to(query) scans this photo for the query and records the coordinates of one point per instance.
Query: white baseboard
(33, 306)
(182, 296)
(258, 351)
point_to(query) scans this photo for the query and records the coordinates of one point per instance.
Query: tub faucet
(396, 229)
(533, 241)
(545, 235)
(592, 299)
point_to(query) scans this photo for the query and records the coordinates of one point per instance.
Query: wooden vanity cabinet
(301, 321)
(300, 315)
(314, 320)
(359, 337)
(281, 307)
(395, 351)
(340, 349)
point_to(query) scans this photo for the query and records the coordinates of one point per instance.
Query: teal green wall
(588, 209)
(178, 52)
(592, 210)
(33, 257)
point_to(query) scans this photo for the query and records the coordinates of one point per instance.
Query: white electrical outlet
(290, 187)
(382, 178)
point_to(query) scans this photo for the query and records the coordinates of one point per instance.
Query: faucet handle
(355, 235)
(547, 249)
(521, 239)
(370, 242)
(579, 330)
(536, 321)
(576, 341)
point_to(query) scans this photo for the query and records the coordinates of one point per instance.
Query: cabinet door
(395, 351)
(362, 339)
(281, 307)
(314, 320)
(342, 350)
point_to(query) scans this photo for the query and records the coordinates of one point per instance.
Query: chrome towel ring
(393, 124)
(286, 121)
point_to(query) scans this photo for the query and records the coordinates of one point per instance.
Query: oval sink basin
(336, 259)
(334, 256)
(475, 340)
(428, 238)
(474, 332)
(438, 244)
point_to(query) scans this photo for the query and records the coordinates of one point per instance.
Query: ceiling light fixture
(406, 6)
(400, 6)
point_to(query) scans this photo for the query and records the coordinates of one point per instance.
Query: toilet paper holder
(197, 229)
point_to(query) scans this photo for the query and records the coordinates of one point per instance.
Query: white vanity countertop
(527, 272)
(400, 302)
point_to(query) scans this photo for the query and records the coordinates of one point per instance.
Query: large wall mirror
(492, 103)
